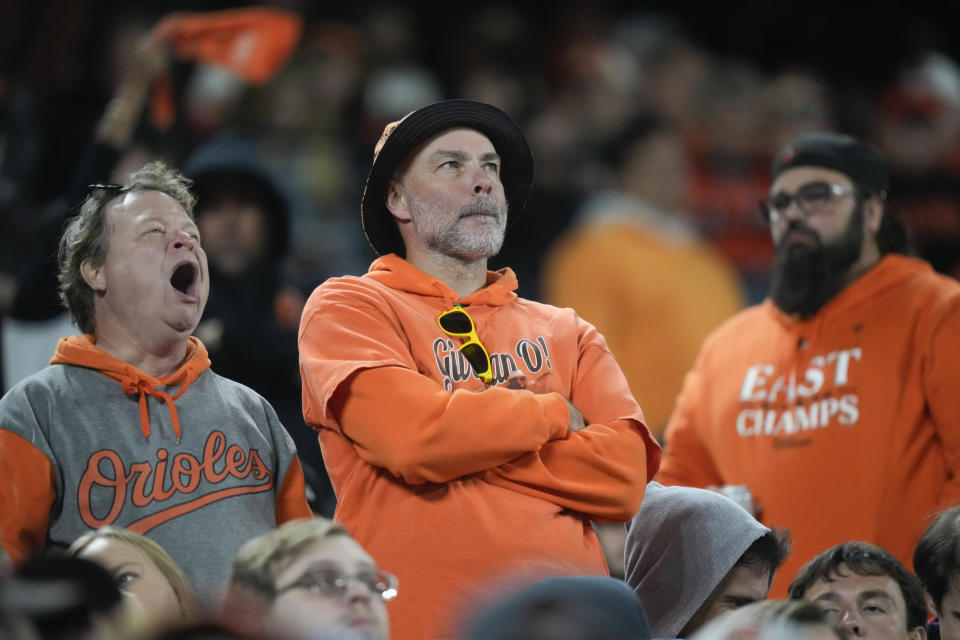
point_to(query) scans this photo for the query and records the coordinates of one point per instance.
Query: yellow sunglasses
(456, 322)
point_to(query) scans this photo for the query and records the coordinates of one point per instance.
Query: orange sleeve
(292, 496)
(27, 493)
(940, 379)
(409, 424)
(686, 460)
(601, 470)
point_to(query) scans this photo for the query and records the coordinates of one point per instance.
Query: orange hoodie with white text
(845, 426)
(455, 486)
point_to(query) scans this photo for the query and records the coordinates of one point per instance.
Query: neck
(463, 276)
(869, 257)
(156, 356)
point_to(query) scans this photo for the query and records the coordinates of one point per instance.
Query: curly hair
(86, 236)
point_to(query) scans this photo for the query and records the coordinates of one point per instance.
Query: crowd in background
(575, 78)
(585, 84)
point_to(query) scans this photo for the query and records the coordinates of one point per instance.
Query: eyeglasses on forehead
(457, 323)
(105, 186)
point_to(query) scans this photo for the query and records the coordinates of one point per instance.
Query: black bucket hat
(404, 136)
(860, 162)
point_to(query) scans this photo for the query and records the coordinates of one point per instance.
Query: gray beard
(458, 242)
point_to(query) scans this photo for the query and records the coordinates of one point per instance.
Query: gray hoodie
(680, 545)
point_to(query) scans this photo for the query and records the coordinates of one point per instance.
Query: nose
(357, 590)
(482, 183)
(183, 240)
(852, 624)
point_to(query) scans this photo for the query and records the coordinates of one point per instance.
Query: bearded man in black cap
(835, 401)
(471, 435)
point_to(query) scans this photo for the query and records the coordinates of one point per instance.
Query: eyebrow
(877, 593)
(829, 595)
(739, 601)
(192, 224)
(461, 155)
(866, 595)
(332, 565)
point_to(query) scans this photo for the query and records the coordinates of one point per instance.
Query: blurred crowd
(631, 118)
(316, 120)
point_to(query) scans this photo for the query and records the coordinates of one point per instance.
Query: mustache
(481, 206)
(798, 226)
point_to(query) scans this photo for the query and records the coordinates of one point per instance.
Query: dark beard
(807, 277)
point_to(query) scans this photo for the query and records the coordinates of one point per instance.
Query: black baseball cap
(403, 137)
(860, 162)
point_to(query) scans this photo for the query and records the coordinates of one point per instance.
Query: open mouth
(184, 277)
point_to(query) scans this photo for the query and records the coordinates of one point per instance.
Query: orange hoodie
(451, 484)
(845, 426)
(196, 462)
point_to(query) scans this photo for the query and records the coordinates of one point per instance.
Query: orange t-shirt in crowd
(845, 426)
(457, 487)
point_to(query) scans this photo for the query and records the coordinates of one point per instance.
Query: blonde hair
(155, 553)
(259, 561)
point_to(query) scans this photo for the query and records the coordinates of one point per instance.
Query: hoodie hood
(82, 351)
(680, 545)
(393, 271)
(229, 162)
(890, 271)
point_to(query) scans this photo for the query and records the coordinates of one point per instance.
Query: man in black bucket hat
(834, 402)
(471, 435)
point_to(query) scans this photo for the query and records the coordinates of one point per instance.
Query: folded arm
(407, 423)
(601, 470)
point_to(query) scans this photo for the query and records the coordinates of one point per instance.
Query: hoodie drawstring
(82, 351)
(144, 388)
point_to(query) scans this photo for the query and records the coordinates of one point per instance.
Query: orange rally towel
(251, 42)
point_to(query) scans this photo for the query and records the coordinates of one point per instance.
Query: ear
(396, 202)
(873, 214)
(94, 276)
(931, 605)
(917, 633)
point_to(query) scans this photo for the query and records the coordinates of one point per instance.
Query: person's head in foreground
(865, 590)
(444, 181)
(562, 608)
(63, 597)
(828, 218)
(141, 567)
(936, 562)
(131, 267)
(309, 579)
(772, 620)
(693, 554)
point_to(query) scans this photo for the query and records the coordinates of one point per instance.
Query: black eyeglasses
(811, 199)
(331, 583)
(456, 322)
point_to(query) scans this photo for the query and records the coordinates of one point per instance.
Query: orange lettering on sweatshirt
(146, 484)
